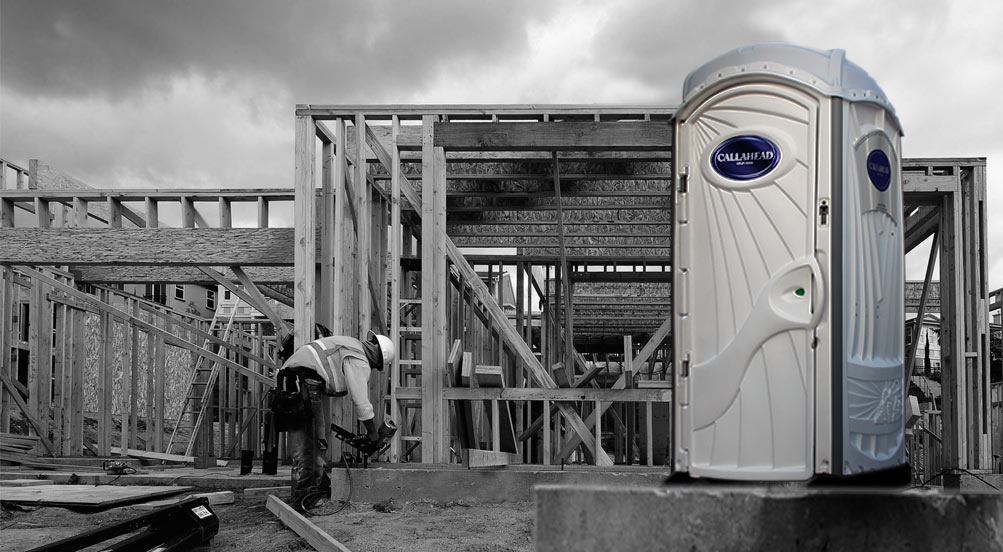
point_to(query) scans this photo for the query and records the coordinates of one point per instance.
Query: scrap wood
(163, 456)
(303, 527)
(494, 377)
(474, 458)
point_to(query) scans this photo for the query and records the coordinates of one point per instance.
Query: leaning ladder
(193, 382)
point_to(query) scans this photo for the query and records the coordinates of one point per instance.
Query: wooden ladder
(408, 410)
(202, 377)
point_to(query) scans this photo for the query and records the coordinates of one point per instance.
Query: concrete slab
(706, 517)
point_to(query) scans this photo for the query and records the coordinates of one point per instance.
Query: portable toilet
(788, 262)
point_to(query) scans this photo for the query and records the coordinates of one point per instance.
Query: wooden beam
(303, 527)
(162, 456)
(569, 331)
(145, 274)
(304, 245)
(476, 458)
(363, 200)
(562, 136)
(392, 163)
(652, 345)
(433, 295)
(161, 246)
(252, 298)
(258, 300)
(910, 358)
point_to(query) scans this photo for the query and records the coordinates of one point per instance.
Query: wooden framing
(581, 193)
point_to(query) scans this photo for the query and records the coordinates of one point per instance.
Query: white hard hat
(387, 349)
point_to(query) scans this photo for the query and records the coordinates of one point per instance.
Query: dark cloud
(661, 42)
(322, 51)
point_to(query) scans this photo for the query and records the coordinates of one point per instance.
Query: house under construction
(521, 255)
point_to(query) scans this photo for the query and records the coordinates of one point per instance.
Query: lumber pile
(462, 372)
(16, 449)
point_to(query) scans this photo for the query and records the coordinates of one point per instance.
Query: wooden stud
(225, 213)
(305, 252)
(58, 367)
(396, 238)
(363, 209)
(262, 212)
(133, 380)
(340, 269)
(152, 213)
(433, 291)
(114, 213)
(325, 305)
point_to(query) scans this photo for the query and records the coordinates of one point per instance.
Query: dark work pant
(306, 446)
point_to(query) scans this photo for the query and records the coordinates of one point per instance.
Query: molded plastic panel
(873, 325)
(751, 287)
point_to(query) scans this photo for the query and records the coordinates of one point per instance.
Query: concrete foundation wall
(728, 518)
(494, 485)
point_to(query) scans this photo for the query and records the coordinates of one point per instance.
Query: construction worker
(327, 366)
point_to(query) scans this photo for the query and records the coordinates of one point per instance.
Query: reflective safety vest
(327, 356)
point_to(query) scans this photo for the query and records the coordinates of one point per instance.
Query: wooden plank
(560, 136)
(250, 293)
(106, 373)
(363, 209)
(433, 293)
(343, 242)
(76, 383)
(305, 232)
(489, 111)
(87, 496)
(493, 377)
(396, 237)
(303, 527)
(144, 274)
(160, 246)
(163, 456)
(574, 440)
(325, 302)
(24, 482)
(475, 458)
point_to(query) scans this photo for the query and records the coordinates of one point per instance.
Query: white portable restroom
(788, 259)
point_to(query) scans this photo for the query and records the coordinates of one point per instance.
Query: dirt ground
(247, 525)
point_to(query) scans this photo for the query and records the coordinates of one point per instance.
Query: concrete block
(708, 517)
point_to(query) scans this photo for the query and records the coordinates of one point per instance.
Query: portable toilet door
(756, 138)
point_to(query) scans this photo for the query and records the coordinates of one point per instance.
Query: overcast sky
(129, 93)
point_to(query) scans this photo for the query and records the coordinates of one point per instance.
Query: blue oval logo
(879, 169)
(745, 157)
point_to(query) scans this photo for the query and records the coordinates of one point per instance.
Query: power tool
(362, 444)
(117, 467)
